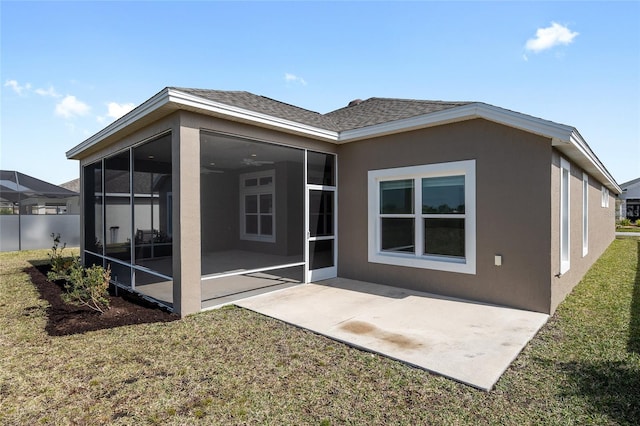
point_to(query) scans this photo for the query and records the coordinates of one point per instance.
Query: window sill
(258, 238)
(436, 263)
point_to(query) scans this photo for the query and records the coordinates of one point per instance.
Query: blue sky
(69, 69)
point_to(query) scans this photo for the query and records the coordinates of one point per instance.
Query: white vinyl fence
(30, 232)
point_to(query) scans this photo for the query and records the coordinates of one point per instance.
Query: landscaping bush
(59, 263)
(84, 286)
(625, 222)
(88, 286)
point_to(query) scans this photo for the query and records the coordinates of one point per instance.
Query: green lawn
(631, 228)
(234, 366)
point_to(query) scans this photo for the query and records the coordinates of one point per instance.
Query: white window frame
(605, 197)
(268, 189)
(565, 200)
(466, 265)
(585, 214)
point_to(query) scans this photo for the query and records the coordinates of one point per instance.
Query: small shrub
(88, 286)
(59, 263)
(638, 222)
(625, 222)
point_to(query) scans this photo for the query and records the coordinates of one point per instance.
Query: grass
(232, 366)
(630, 228)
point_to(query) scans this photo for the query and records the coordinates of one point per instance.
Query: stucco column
(185, 143)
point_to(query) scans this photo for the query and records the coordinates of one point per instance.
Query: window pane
(320, 213)
(91, 260)
(564, 243)
(320, 169)
(266, 203)
(251, 204)
(320, 254)
(120, 274)
(444, 237)
(152, 205)
(266, 225)
(227, 228)
(443, 195)
(251, 223)
(154, 286)
(266, 181)
(396, 197)
(251, 182)
(398, 235)
(93, 224)
(118, 206)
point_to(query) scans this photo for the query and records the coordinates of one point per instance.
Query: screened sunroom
(266, 216)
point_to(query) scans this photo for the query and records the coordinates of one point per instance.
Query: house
(197, 197)
(32, 209)
(630, 200)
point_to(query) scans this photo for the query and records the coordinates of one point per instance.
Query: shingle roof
(262, 104)
(629, 183)
(365, 113)
(383, 110)
(72, 185)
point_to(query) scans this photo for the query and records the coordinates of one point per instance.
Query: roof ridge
(418, 100)
(195, 89)
(423, 101)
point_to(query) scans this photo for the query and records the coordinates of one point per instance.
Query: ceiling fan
(254, 162)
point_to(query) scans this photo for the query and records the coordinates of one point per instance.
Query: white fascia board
(153, 104)
(171, 96)
(562, 136)
(580, 144)
(525, 122)
(252, 117)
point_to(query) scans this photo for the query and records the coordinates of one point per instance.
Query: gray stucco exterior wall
(517, 207)
(601, 225)
(513, 204)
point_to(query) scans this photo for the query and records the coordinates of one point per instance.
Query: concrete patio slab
(469, 342)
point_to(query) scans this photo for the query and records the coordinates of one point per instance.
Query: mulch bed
(66, 319)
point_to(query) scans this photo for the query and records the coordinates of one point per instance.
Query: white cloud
(48, 92)
(70, 107)
(16, 86)
(117, 110)
(292, 78)
(549, 37)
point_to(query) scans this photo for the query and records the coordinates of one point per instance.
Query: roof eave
(156, 102)
(565, 138)
(460, 113)
(576, 149)
(182, 100)
(218, 109)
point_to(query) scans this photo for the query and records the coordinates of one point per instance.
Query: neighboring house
(630, 200)
(32, 209)
(235, 194)
(72, 185)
